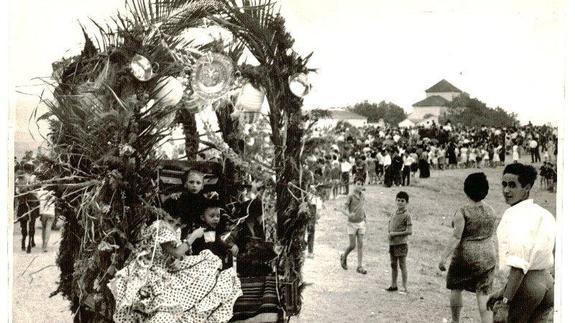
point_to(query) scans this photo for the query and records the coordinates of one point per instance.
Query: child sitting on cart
(162, 284)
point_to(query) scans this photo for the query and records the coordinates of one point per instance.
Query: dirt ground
(336, 295)
(333, 294)
(34, 278)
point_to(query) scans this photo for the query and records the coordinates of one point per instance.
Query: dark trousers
(534, 298)
(345, 182)
(397, 176)
(27, 213)
(335, 188)
(533, 155)
(378, 170)
(387, 177)
(406, 176)
(310, 236)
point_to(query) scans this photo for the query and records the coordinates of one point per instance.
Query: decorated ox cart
(205, 67)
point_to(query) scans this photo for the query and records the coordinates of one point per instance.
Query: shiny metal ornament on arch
(212, 76)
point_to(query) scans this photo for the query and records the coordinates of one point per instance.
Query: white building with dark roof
(428, 110)
(443, 89)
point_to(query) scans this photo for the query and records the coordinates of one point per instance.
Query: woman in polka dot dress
(163, 285)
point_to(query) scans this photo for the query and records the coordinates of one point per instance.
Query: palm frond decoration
(251, 24)
(106, 125)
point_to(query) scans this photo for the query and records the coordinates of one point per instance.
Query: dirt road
(34, 277)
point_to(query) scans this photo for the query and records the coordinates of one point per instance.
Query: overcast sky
(507, 53)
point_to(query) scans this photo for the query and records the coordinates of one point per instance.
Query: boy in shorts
(399, 229)
(354, 209)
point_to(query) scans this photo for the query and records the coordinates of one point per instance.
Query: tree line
(462, 110)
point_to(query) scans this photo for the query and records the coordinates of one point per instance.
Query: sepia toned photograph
(287, 161)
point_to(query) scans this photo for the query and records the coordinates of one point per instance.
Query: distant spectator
(345, 174)
(354, 210)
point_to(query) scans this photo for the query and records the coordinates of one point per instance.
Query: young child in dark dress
(209, 223)
(189, 204)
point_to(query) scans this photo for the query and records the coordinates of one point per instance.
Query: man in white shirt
(526, 237)
(406, 172)
(387, 178)
(386, 159)
(345, 174)
(379, 166)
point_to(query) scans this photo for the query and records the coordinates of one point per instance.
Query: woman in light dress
(463, 156)
(515, 153)
(496, 159)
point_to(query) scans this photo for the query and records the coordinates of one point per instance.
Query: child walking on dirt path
(399, 229)
(354, 209)
(315, 206)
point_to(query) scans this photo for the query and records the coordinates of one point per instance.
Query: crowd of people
(525, 236)
(392, 156)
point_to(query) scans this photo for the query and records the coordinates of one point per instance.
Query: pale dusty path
(34, 277)
(337, 295)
